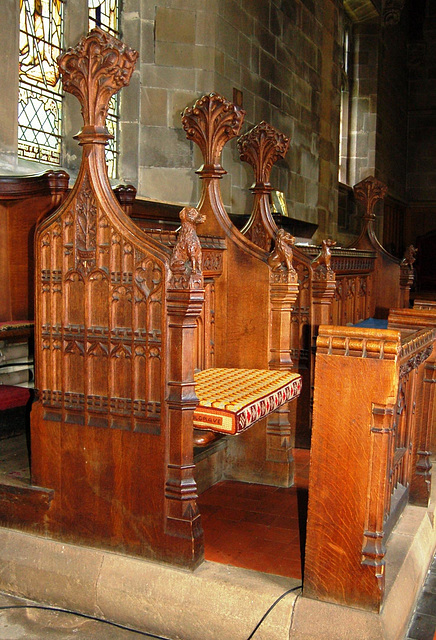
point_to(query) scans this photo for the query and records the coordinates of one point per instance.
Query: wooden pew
(370, 451)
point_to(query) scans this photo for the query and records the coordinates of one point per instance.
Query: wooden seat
(232, 400)
(12, 397)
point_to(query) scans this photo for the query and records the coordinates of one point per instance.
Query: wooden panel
(23, 201)
(364, 458)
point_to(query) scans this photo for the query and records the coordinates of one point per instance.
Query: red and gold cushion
(231, 400)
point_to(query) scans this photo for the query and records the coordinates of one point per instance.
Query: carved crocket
(188, 245)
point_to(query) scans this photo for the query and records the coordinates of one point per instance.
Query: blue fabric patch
(373, 323)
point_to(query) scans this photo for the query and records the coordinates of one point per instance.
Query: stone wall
(280, 55)
(283, 58)
(421, 179)
(391, 140)
(9, 79)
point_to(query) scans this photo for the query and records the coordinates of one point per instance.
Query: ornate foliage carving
(369, 191)
(211, 123)
(415, 361)
(94, 71)
(86, 211)
(259, 236)
(262, 147)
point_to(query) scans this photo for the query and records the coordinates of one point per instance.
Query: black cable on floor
(121, 626)
(270, 609)
(82, 615)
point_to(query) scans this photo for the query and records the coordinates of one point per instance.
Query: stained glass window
(40, 91)
(104, 14)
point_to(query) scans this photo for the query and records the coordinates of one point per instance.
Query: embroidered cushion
(231, 400)
(11, 397)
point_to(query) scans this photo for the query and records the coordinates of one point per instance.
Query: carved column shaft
(420, 485)
(283, 295)
(183, 518)
(378, 501)
(406, 282)
(323, 293)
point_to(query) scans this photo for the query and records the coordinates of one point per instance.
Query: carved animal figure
(325, 255)
(282, 252)
(188, 245)
(409, 255)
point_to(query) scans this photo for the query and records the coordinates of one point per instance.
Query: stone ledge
(410, 550)
(214, 601)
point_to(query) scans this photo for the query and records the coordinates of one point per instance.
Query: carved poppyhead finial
(94, 70)
(210, 123)
(262, 147)
(368, 192)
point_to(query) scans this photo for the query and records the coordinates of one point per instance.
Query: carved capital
(94, 70)
(211, 123)
(368, 192)
(261, 147)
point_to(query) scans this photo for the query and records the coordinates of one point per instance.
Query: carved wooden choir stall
(121, 327)
(149, 341)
